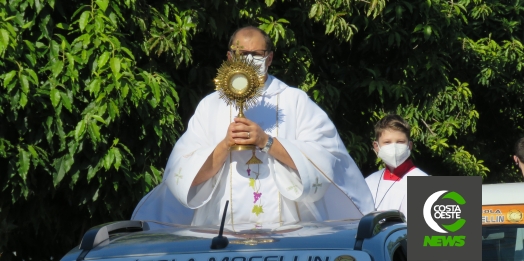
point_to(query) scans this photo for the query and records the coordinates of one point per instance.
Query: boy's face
(390, 136)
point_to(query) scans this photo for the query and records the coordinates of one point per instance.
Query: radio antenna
(221, 242)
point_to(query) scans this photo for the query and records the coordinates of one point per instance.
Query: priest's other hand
(244, 131)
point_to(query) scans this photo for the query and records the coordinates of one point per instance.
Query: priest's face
(252, 42)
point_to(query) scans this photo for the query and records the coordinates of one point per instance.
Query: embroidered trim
(231, 184)
(279, 195)
(189, 154)
(293, 187)
(333, 183)
(178, 176)
(257, 209)
(298, 211)
(316, 185)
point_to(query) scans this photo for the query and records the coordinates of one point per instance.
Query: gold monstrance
(238, 83)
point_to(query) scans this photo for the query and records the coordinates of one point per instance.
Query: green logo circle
(444, 211)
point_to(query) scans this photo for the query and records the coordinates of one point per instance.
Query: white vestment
(327, 185)
(390, 194)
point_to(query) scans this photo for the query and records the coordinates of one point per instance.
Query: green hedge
(93, 94)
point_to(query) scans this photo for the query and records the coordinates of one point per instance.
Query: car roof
(186, 239)
(502, 194)
(135, 240)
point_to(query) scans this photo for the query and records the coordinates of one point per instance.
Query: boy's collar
(399, 172)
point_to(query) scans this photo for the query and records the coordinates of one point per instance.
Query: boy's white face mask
(393, 154)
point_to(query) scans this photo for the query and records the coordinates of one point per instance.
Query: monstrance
(238, 83)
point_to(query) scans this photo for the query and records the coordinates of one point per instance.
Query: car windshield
(503, 242)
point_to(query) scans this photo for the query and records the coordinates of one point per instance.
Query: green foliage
(86, 120)
(95, 93)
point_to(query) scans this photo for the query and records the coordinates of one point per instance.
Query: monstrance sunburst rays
(238, 83)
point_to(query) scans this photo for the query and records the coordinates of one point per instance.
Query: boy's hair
(392, 122)
(519, 149)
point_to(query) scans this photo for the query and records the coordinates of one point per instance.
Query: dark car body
(377, 236)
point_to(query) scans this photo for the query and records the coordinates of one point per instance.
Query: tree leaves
(79, 130)
(66, 101)
(84, 19)
(55, 97)
(4, 40)
(62, 166)
(102, 4)
(103, 59)
(71, 90)
(96, 93)
(8, 77)
(115, 65)
(118, 157)
(23, 161)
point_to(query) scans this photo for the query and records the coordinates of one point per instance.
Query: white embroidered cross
(294, 188)
(189, 155)
(178, 176)
(316, 185)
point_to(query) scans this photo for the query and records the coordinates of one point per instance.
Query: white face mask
(394, 154)
(259, 61)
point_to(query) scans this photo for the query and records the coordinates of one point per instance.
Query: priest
(305, 174)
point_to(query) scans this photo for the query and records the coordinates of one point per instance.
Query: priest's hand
(243, 131)
(239, 129)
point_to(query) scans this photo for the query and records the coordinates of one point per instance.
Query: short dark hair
(392, 122)
(269, 43)
(519, 149)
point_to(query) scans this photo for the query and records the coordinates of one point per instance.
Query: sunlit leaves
(79, 130)
(76, 111)
(66, 101)
(115, 66)
(103, 59)
(334, 15)
(8, 77)
(94, 86)
(170, 36)
(84, 19)
(467, 163)
(102, 4)
(481, 11)
(55, 97)
(494, 56)
(274, 28)
(4, 40)
(89, 105)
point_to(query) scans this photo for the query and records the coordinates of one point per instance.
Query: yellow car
(503, 222)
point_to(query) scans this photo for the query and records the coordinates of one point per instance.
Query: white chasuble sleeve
(321, 159)
(189, 155)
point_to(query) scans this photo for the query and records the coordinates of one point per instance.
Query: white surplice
(327, 186)
(391, 194)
